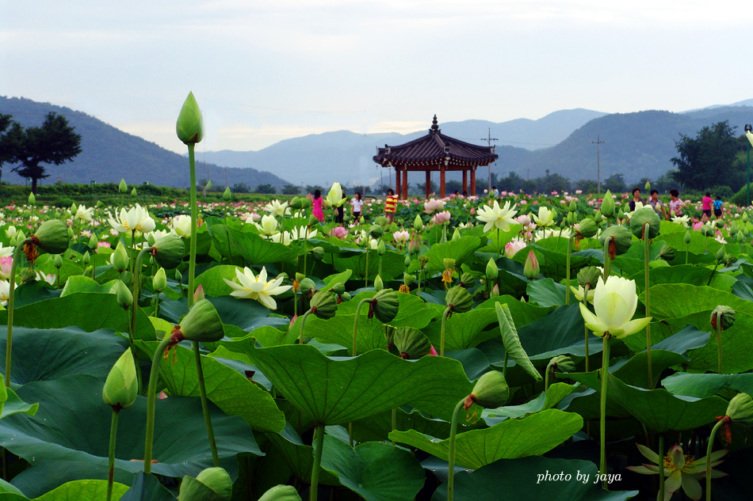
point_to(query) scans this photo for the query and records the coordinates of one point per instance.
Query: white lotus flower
(401, 237)
(615, 302)
(496, 217)
(4, 292)
(283, 238)
(335, 196)
(10, 232)
(136, 219)
(5, 251)
(545, 217)
(275, 208)
(256, 287)
(683, 220)
(83, 214)
(268, 225)
(181, 224)
(302, 233)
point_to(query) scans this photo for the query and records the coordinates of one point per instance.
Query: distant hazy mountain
(109, 154)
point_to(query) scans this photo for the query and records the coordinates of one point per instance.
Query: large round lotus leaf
(73, 425)
(244, 313)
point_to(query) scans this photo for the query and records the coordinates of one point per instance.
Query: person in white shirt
(357, 203)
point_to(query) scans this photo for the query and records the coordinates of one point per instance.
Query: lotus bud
(70, 233)
(490, 391)
(52, 236)
(570, 218)
(597, 216)
(531, 267)
(745, 217)
(338, 288)
(687, 237)
(295, 203)
(312, 221)
(198, 294)
(573, 206)
(648, 186)
(19, 237)
(492, 271)
(726, 314)
(607, 205)
(281, 493)
(57, 261)
(378, 283)
(168, 251)
(306, 285)
(32, 199)
(190, 124)
(385, 305)
(381, 249)
(619, 239)
(121, 386)
(119, 258)
(159, 280)
(456, 234)
(381, 220)
(561, 363)
(418, 224)
(74, 208)
(740, 408)
(324, 305)
(720, 255)
(449, 263)
(495, 291)
(458, 299)
(587, 228)
(376, 231)
(123, 187)
(86, 259)
(133, 192)
(707, 230)
(407, 260)
(345, 296)
(123, 295)
(93, 242)
(410, 343)
(361, 220)
(227, 195)
(202, 323)
(641, 217)
(318, 252)
(620, 214)
(305, 202)
(422, 260)
(212, 484)
(100, 204)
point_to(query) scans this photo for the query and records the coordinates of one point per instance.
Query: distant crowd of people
(708, 204)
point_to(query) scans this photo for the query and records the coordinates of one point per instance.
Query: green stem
(607, 260)
(205, 404)
(713, 272)
(355, 324)
(504, 367)
(303, 323)
(151, 395)
(451, 459)
(11, 301)
(194, 220)
(366, 271)
(603, 410)
(113, 436)
(136, 291)
(661, 468)
(646, 276)
(719, 342)
(446, 313)
(318, 446)
(546, 379)
(567, 270)
(499, 247)
(709, 449)
(585, 303)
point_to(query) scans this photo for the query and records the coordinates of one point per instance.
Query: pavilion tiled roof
(433, 150)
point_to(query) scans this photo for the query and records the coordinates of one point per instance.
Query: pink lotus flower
(473, 211)
(104, 244)
(338, 232)
(513, 247)
(697, 226)
(523, 219)
(5, 265)
(401, 237)
(441, 217)
(432, 205)
(433, 352)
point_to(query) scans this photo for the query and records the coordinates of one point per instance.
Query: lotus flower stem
(709, 449)
(499, 246)
(660, 497)
(194, 220)
(585, 303)
(603, 410)
(151, 395)
(451, 458)
(111, 464)
(607, 260)
(504, 367)
(205, 404)
(366, 271)
(646, 276)
(719, 329)
(446, 313)
(136, 292)
(11, 301)
(303, 324)
(567, 270)
(355, 324)
(318, 446)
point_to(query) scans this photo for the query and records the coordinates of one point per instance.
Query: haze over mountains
(635, 144)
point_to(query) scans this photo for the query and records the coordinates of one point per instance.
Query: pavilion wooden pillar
(397, 182)
(465, 181)
(441, 182)
(428, 184)
(473, 182)
(405, 184)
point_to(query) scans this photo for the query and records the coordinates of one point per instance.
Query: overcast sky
(266, 70)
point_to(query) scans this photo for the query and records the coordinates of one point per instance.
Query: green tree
(290, 189)
(55, 142)
(614, 183)
(706, 159)
(5, 151)
(265, 188)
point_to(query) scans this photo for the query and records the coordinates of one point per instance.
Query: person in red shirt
(390, 205)
(706, 205)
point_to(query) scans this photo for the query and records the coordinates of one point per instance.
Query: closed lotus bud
(619, 239)
(458, 299)
(570, 218)
(376, 231)
(159, 280)
(93, 242)
(385, 305)
(202, 323)
(490, 391)
(227, 195)
(449, 263)
(212, 484)
(726, 314)
(86, 259)
(190, 124)
(74, 208)
(418, 224)
(667, 252)
(597, 216)
(32, 199)
(121, 386)
(361, 220)
(745, 217)
(607, 205)
(123, 295)
(561, 363)
(281, 493)
(381, 249)
(410, 343)
(345, 296)
(720, 255)
(198, 294)
(338, 288)
(378, 283)
(57, 261)
(123, 187)
(740, 408)
(641, 217)
(495, 291)
(318, 252)
(295, 203)
(587, 228)
(299, 276)
(306, 285)
(168, 251)
(52, 236)
(381, 220)
(492, 271)
(133, 192)
(407, 260)
(531, 267)
(456, 234)
(648, 186)
(119, 258)
(573, 206)
(70, 233)
(687, 237)
(707, 230)
(589, 276)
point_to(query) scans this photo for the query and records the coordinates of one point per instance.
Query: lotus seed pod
(305, 202)
(492, 271)
(385, 305)
(312, 220)
(619, 239)
(52, 236)
(587, 228)
(589, 276)
(381, 248)
(381, 220)
(123, 295)
(168, 251)
(561, 363)
(449, 263)
(411, 343)
(458, 299)
(531, 267)
(123, 187)
(740, 408)
(345, 296)
(57, 261)
(641, 217)
(306, 285)
(324, 305)
(281, 493)
(687, 237)
(212, 484)
(490, 391)
(93, 241)
(378, 283)
(121, 386)
(418, 224)
(32, 199)
(190, 124)
(159, 280)
(726, 314)
(338, 288)
(376, 231)
(607, 205)
(467, 280)
(202, 323)
(422, 260)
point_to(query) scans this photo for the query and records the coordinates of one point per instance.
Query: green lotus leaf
(460, 250)
(243, 313)
(546, 292)
(299, 457)
(252, 247)
(704, 385)
(522, 313)
(511, 341)
(147, 487)
(212, 280)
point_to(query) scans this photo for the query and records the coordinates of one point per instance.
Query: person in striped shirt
(390, 205)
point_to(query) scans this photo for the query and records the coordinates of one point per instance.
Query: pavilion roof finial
(434, 123)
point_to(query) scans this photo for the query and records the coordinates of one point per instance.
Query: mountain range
(636, 144)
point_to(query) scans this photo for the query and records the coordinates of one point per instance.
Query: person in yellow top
(390, 205)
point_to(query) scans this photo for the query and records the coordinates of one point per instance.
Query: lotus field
(556, 347)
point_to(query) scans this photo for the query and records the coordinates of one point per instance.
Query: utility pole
(598, 144)
(489, 140)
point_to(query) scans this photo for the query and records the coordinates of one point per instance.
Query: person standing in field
(675, 204)
(357, 203)
(317, 204)
(706, 205)
(636, 198)
(657, 204)
(718, 207)
(390, 205)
